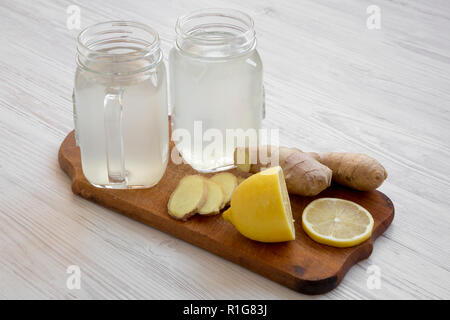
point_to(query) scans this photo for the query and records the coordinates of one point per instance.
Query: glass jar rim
(237, 15)
(122, 42)
(95, 30)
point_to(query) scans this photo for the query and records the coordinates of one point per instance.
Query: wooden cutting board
(303, 265)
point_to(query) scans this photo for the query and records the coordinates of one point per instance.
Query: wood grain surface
(331, 85)
(302, 265)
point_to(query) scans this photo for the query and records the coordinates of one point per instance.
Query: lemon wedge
(260, 208)
(337, 222)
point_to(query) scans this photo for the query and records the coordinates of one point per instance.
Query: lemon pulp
(337, 222)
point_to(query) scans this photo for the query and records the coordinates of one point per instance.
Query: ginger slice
(190, 195)
(228, 182)
(214, 200)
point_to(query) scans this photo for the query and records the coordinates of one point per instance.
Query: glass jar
(216, 83)
(120, 105)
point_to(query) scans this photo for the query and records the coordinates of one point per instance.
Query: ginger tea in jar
(216, 87)
(120, 105)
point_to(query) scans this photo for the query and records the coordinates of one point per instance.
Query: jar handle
(113, 114)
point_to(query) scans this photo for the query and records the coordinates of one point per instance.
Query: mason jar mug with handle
(120, 105)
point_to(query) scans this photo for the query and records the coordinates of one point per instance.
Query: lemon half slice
(260, 208)
(337, 222)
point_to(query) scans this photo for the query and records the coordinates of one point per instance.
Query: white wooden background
(331, 84)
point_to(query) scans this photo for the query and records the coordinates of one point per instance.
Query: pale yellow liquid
(145, 127)
(224, 94)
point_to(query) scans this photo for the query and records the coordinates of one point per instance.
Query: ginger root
(228, 182)
(354, 170)
(189, 195)
(215, 199)
(304, 175)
